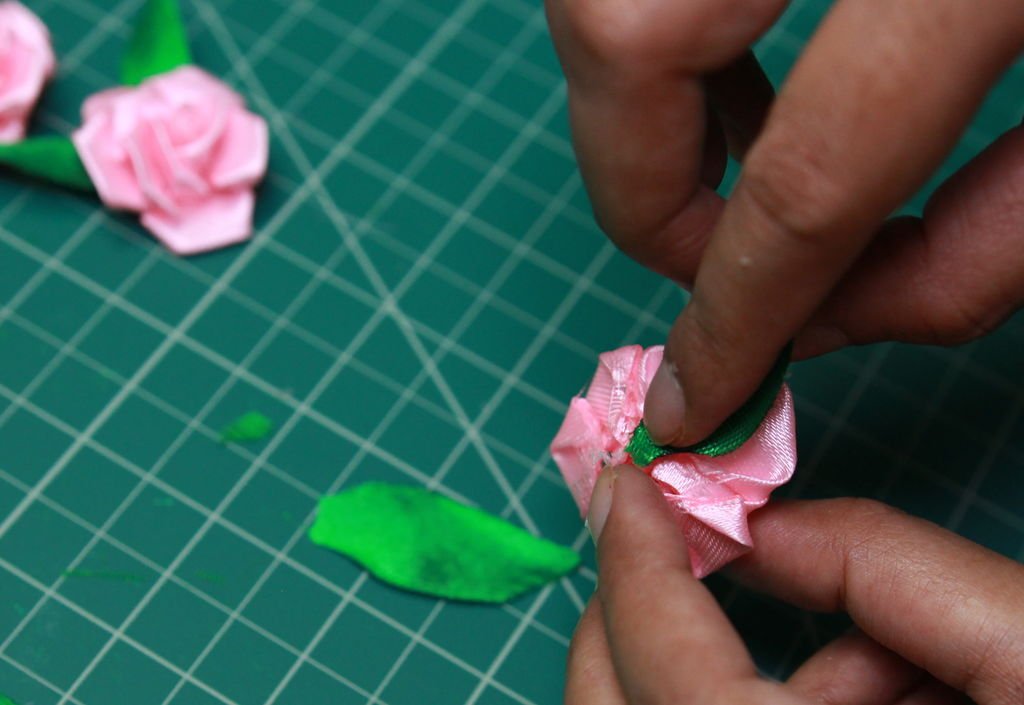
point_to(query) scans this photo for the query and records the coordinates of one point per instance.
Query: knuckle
(697, 34)
(869, 537)
(788, 185)
(864, 526)
(953, 318)
(609, 31)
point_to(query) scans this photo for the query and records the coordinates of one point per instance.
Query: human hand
(940, 619)
(658, 89)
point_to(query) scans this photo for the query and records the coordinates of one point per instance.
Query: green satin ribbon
(159, 43)
(736, 430)
(52, 159)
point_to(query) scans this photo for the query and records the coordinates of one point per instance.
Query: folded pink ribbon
(26, 64)
(181, 149)
(710, 496)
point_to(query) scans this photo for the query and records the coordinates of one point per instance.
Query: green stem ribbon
(733, 433)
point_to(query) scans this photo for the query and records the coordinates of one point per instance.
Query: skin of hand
(659, 90)
(939, 619)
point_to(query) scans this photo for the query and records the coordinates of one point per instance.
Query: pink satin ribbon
(710, 496)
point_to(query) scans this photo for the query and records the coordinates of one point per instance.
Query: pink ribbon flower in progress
(26, 63)
(182, 150)
(711, 487)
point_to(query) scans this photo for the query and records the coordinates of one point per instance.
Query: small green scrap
(4, 700)
(252, 426)
(116, 575)
(210, 577)
(420, 541)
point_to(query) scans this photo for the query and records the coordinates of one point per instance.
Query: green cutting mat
(424, 293)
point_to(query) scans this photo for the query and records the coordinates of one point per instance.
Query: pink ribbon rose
(711, 496)
(26, 63)
(181, 149)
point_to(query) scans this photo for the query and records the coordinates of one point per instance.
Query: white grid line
(389, 297)
(394, 89)
(416, 637)
(257, 542)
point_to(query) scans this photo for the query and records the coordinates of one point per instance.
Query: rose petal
(243, 151)
(23, 83)
(108, 165)
(576, 450)
(190, 84)
(11, 130)
(219, 220)
(28, 61)
(153, 165)
(718, 493)
(25, 25)
(105, 102)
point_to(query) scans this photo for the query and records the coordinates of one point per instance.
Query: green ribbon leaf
(52, 159)
(733, 433)
(420, 541)
(159, 43)
(252, 426)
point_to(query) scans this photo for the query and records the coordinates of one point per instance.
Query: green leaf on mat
(733, 433)
(420, 541)
(158, 43)
(52, 159)
(4, 700)
(252, 426)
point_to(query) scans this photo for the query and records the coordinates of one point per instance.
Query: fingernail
(665, 406)
(601, 502)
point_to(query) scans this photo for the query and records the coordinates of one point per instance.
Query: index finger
(666, 632)
(940, 601)
(879, 97)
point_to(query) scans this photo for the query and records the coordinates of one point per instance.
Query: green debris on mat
(52, 158)
(116, 575)
(420, 541)
(252, 426)
(159, 43)
(4, 700)
(209, 577)
(733, 433)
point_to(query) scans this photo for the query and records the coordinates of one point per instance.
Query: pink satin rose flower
(710, 496)
(26, 63)
(182, 150)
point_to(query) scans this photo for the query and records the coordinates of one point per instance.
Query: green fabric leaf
(52, 159)
(158, 43)
(420, 541)
(730, 435)
(252, 426)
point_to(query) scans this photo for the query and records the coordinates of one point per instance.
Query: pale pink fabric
(710, 496)
(26, 64)
(598, 427)
(181, 149)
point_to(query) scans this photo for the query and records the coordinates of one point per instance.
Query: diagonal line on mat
(389, 304)
(397, 86)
